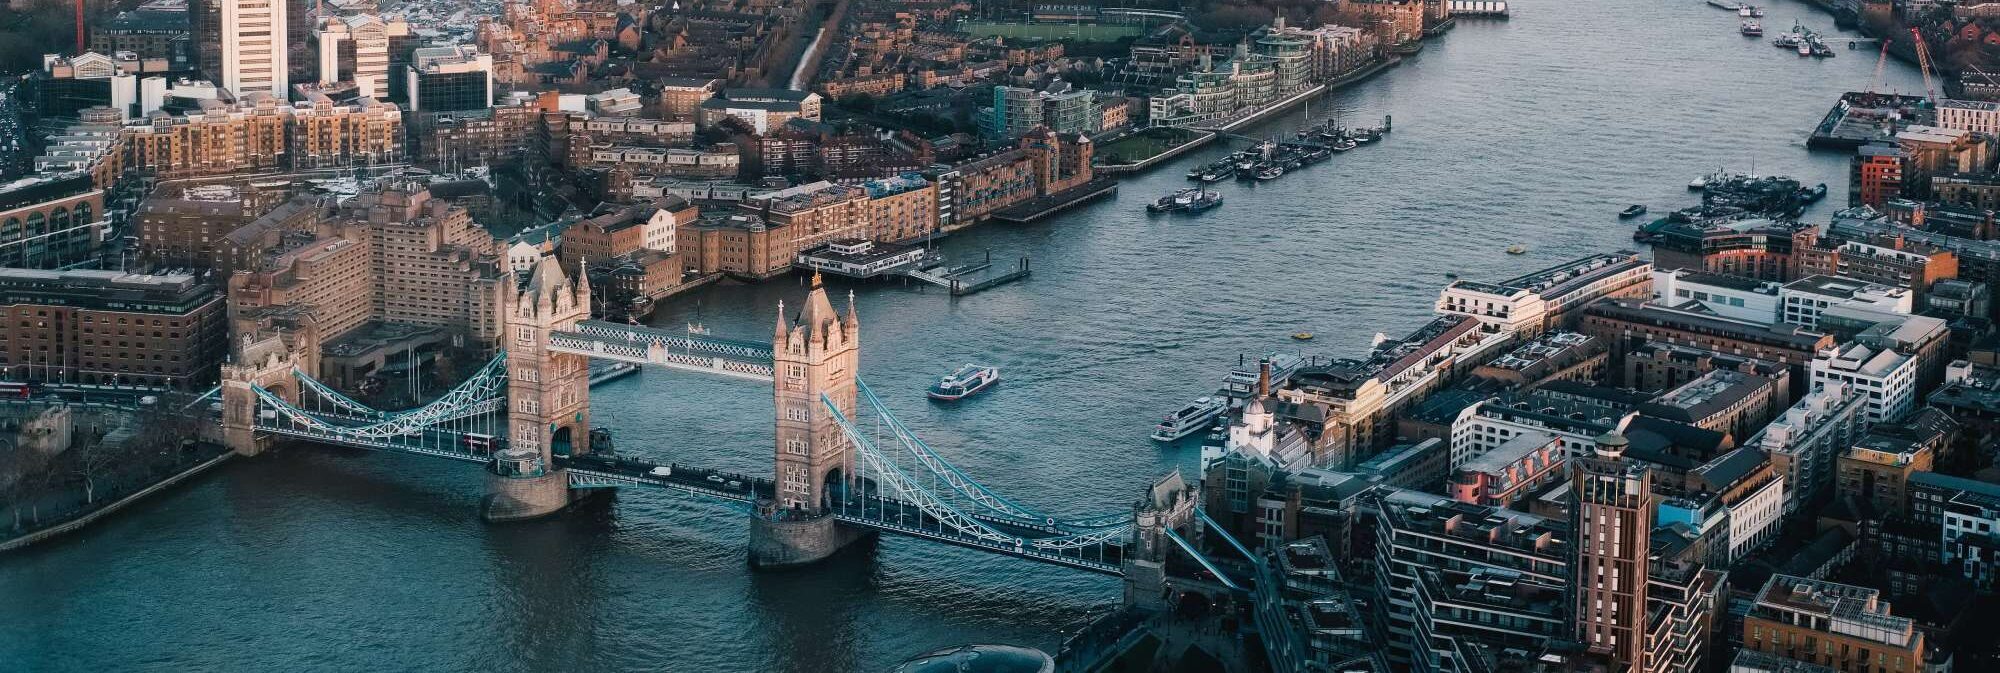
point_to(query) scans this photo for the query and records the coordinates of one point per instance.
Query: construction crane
(1924, 64)
(1882, 59)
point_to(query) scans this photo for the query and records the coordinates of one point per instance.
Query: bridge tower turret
(817, 353)
(548, 397)
(265, 361)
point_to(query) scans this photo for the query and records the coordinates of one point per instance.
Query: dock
(1862, 117)
(1493, 9)
(1040, 207)
(960, 288)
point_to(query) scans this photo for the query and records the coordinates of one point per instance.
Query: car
(661, 471)
(715, 478)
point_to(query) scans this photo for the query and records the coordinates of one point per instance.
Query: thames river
(1533, 131)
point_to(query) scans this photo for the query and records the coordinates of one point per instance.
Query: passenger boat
(1188, 419)
(1752, 29)
(1632, 211)
(964, 383)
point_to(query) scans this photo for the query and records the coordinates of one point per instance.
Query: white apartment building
(253, 47)
(1532, 303)
(1483, 427)
(1977, 116)
(1803, 300)
(361, 43)
(1733, 297)
(1805, 442)
(1885, 379)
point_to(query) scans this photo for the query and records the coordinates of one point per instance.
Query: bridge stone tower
(263, 360)
(816, 354)
(548, 397)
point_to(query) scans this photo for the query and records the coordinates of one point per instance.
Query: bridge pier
(520, 488)
(778, 543)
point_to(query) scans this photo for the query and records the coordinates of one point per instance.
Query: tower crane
(1924, 64)
(1881, 59)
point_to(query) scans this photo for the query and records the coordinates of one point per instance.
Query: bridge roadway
(673, 350)
(874, 512)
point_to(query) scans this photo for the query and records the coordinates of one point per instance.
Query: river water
(1532, 131)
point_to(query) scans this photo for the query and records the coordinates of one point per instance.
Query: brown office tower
(1612, 513)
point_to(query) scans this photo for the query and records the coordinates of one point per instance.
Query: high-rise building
(355, 48)
(1611, 511)
(254, 56)
(449, 79)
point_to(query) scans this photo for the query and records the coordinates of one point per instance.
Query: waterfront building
(111, 327)
(1751, 247)
(1876, 470)
(323, 134)
(1533, 303)
(767, 232)
(1805, 299)
(1045, 163)
(1976, 116)
(51, 221)
(1905, 264)
(1290, 53)
(1519, 469)
(1841, 626)
(246, 137)
(449, 79)
(626, 231)
(1357, 400)
(1611, 511)
(901, 208)
(1805, 442)
(1876, 175)
(253, 47)
(1405, 18)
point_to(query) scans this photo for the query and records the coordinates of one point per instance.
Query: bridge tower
(816, 354)
(262, 360)
(548, 397)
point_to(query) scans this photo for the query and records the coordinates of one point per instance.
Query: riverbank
(77, 523)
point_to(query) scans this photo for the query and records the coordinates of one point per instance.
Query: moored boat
(966, 382)
(1751, 29)
(1632, 211)
(1188, 419)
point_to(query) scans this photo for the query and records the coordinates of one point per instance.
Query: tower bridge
(844, 466)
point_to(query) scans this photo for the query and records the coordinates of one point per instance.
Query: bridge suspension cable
(951, 516)
(486, 383)
(964, 484)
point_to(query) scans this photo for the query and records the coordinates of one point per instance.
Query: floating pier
(1496, 9)
(960, 288)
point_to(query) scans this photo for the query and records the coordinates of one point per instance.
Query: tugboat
(1634, 210)
(1752, 29)
(964, 383)
(1204, 201)
(1189, 419)
(1179, 200)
